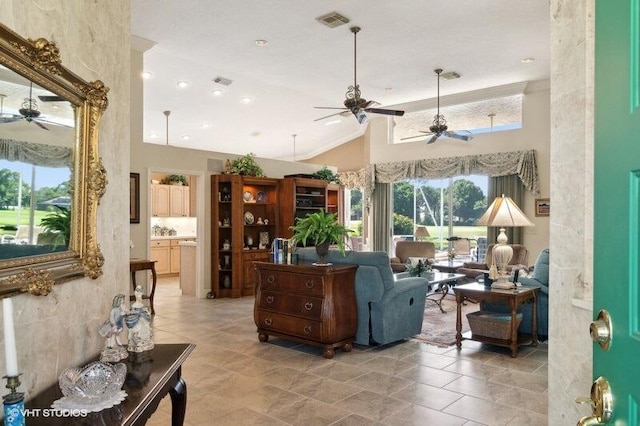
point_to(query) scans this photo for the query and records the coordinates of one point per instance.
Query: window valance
(521, 163)
(35, 153)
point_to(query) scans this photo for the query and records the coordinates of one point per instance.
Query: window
(355, 220)
(448, 207)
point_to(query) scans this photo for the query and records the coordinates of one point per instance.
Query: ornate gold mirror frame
(39, 61)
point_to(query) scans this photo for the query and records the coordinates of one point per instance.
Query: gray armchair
(388, 309)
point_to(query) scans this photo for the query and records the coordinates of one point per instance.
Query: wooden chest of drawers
(309, 304)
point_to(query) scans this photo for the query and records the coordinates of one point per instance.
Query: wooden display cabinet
(244, 213)
(298, 198)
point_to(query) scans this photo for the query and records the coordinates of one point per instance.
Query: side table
(144, 265)
(513, 298)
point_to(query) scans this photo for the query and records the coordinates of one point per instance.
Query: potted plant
(246, 166)
(326, 174)
(57, 226)
(176, 180)
(320, 229)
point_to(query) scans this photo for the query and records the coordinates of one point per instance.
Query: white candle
(11, 358)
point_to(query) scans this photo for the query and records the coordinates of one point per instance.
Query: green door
(616, 200)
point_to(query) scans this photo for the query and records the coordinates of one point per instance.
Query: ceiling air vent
(333, 19)
(222, 80)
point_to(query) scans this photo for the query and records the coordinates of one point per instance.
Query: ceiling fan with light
(28, 111)
(355, 104)
(439, 126)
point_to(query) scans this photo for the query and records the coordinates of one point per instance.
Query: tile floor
(233, 379)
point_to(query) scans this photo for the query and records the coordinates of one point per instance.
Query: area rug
(440, 329)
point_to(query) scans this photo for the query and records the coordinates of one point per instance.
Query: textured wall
(570, 348)
(60, 330)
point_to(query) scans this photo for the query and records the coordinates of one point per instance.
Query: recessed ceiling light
(255, 134)
(217, 92)
(388, 89)
(205, 125)
(261, 43)
(246, 100)
(185, 137)
(182, 84)
(329, 123)
(528, 60)
(146, 74)
(153, 135)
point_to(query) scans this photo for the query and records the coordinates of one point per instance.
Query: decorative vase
(226, 261)
(226, 281)
(322, 250)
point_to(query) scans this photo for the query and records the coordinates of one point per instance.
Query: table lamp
(503, 212)
(420, 232)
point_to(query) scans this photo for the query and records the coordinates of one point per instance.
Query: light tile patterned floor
(233, 379)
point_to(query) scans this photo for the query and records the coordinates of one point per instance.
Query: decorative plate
(247, 196)
(262, 197)
(248, 218)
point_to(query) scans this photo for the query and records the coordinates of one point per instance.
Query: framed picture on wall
(134, 197)
(543, 207)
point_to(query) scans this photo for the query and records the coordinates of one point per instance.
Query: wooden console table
(150, 376)
(309, 304)
(144, 265)
(513, 299)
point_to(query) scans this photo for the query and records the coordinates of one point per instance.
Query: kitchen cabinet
(170, 200)
(160, 252)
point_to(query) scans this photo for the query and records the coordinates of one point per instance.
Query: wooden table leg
(513, 344)
(459, 321)
(153, 287)
(534, 319)
(178, 395)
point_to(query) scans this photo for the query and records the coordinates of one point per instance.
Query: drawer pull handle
(271, 279)
(307, 329)
(308, 306)
(268, 321)
(269, 299)
(309, 283)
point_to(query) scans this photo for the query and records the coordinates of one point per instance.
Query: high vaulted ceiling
(306, 64)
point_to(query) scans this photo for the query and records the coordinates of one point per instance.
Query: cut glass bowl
(93, 387)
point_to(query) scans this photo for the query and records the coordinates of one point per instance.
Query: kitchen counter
(173, 237)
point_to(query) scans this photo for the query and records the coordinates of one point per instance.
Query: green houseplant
(57, 226)
(247, 166)
(320, 229)
(177, 179)
(326, 174)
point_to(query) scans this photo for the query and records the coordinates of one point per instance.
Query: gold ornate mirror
(51, 177)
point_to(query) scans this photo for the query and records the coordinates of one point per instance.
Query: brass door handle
(601, 401)
(601, 330)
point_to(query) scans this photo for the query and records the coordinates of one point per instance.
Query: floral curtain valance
(520, 163)
(35, 153)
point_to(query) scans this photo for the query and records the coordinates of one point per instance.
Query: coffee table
(446, 266)
(438, 285)
(513, 298)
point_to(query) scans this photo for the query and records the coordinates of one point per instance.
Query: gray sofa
(388, 310)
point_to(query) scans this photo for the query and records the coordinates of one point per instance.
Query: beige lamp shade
(503, 212)
(421, 232)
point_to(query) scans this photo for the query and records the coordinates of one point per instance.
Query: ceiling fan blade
(42, 126)
(327, 116)
(385, 111)
(455, 135)
(342, 108)
(433, 139)
(9, 118)
(51, 98)
(416, 136)
(53, 123)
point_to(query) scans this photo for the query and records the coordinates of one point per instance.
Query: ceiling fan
(439, 126)
(354, 103)
(28, 111)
